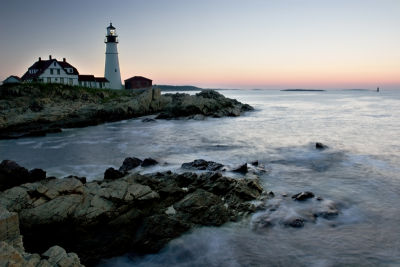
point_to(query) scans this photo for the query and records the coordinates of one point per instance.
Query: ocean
(359, 173)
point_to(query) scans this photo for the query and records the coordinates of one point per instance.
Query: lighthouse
(111, 70)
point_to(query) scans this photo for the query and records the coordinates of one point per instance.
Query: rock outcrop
(37, 109)
(63, 106)
(207, 102)
(134, 213)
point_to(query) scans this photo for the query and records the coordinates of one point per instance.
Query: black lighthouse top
(111, 36)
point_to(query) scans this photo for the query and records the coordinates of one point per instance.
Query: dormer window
(55, 64)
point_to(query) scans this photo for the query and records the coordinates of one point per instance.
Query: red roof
(42, 65)
(137, 78)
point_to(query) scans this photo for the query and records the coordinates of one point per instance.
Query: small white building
(93, 82)
(52, 71)
(12, 79)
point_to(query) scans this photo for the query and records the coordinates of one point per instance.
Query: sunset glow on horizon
(214, 44)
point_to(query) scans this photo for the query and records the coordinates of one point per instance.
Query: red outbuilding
(138, 82)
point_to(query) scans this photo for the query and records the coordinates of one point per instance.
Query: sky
(268, 44)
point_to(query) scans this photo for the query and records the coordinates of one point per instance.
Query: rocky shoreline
(37, 109)
(100, 219)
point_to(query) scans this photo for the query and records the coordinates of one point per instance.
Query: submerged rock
(255, 163)
(149, 162)
(241, 169)
(303, 196)
(320, 146)
(130, 163)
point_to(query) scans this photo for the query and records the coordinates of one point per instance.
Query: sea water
(359, 172)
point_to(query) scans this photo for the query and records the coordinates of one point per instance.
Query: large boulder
(129, 164)
(113, 174)
(149, 162)
(12, 174)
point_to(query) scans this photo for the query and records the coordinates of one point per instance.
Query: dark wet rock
(157, 230)
(294, 222)
(149, 120)
(303, 196)
(37, 175)
(327, 210)
(113, 174)
(201, 164)
(248, 191)
(11, 174)
(320, 146)
(255, 163)
(149, 162)
(135, 213)
(202, 207)
(130, 163)
(241, 169)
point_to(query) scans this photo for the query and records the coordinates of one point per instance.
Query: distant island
(303, 90)
(178, 88)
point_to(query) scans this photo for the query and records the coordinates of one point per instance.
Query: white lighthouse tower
(111, 71)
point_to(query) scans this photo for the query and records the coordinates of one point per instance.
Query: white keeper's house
(54, 71)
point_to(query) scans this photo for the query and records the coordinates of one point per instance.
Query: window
(80, 83)
(70, 81)
(56, 79)
(61, 80)
(115, 70)
(51, 71)
(49, 80)
(58, 71)
(55, 64)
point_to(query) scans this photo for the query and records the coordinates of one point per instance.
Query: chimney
(40, 59)
(49, 57)
(64, 59)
